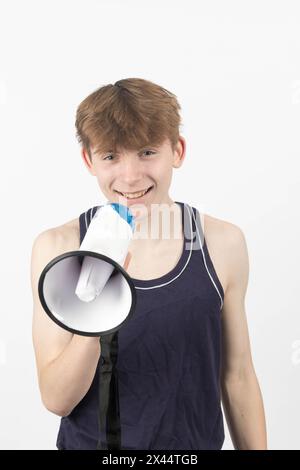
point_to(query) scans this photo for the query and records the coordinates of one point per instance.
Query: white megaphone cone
(87, 291)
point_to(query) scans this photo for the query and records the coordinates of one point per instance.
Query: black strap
(109, 410)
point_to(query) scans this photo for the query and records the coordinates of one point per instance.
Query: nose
(131, 172)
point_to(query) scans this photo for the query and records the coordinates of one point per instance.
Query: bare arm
(65, 380)
(66, 363)
(241, 396)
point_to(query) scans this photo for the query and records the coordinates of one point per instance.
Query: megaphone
(87, 291)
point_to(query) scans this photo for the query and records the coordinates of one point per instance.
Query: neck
(161, 222)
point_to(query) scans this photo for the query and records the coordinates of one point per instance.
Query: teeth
(135, 195)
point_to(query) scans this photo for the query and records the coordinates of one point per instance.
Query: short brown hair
(131, 114)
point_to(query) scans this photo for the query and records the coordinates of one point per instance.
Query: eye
(111, 155)
(149, 151)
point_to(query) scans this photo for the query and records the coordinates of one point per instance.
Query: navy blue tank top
(168, 361)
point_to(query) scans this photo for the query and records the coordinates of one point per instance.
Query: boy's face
(128, 172)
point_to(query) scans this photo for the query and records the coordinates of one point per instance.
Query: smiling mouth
(136, 195)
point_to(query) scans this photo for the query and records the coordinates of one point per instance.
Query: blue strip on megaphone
(124, 212)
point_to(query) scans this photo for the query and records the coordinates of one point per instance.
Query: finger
(127, 261)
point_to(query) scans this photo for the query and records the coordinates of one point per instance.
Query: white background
(235, 68)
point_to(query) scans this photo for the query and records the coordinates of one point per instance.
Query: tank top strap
(200, 246)
(85, 219)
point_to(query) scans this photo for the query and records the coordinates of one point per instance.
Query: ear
(87, 161)
(179, 152)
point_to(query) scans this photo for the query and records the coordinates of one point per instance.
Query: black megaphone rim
(93, 254)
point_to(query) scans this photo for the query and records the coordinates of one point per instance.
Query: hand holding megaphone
(88, 291)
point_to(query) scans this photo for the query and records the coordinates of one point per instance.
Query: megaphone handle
(109, 410)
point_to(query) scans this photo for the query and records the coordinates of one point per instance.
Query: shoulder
(227, 247)
(64, 237)
(70, 232)
(226, 232)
